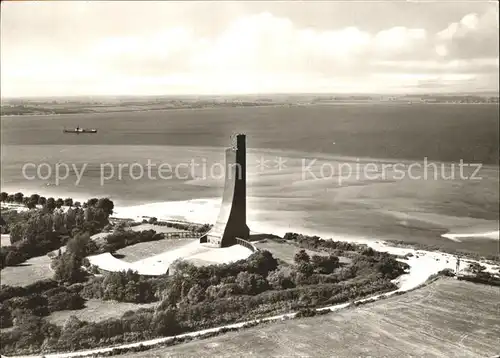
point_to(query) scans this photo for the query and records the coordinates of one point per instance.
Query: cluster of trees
(316, 264)
(121, 238)
(33, 235)
(479, 274)
(179, 225)
(36, 300)
(35, 199)
(122, 286)
(40, 231)
(317, 243)
(68, 266)
(194, 298)
(200, 297)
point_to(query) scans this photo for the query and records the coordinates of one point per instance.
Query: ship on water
(79, 130)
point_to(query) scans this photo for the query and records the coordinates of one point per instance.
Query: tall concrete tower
(232, 220)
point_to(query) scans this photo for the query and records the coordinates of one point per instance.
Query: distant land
(99, 104)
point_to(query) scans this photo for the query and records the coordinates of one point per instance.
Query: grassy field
(286, 251)
(97, 310)
(144, 250)
(157, 228)
(34, 269)
(448, 318)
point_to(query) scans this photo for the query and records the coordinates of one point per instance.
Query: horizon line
(497, 92)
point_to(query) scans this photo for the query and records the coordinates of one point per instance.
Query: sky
(66, 48)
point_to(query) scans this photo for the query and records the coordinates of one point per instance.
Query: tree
(476, 268)
(92, 202)
(106, 205)
(59, 226)
(280, 279)
(261, 262)
(68, 268)
(18, 198)
(35, 198)
(68, 202)
(10, 198)
(81, 246)
(113, 285)
(42, 200)
(325, 264)
(70, 219)
(17, 232)
(79, 217)
(164, 323)
(31, 204)
(132, 291)
(77, 204)
(251, 283)
(301, 257)
(153, 220)
(204, 228)
(59, 203)
(39, 228)
(96, 218)
(121, 226)
(50, 204)
(196, 294)
(65, 301)
(3, 196)
(72, 324)
(390, 267)
(305, 268)
(368, 252)
(291, 236)
(14, 257)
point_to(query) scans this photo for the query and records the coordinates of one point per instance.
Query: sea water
(298, 165)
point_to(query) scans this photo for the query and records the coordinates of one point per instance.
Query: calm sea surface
(332, 169)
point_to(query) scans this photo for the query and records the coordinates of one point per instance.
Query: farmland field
(97, 310)
(448, 318)
(286, 251)
(30, 271)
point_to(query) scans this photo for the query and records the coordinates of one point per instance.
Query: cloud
(262, 53)
(461, 66)
(263, 43)
(474, 36)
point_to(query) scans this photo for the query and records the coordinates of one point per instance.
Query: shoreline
(340, 103)
(141, 110)
(205, 210)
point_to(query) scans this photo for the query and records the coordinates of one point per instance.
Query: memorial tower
(231, 222)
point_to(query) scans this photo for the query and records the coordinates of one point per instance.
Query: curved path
(158, 264)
